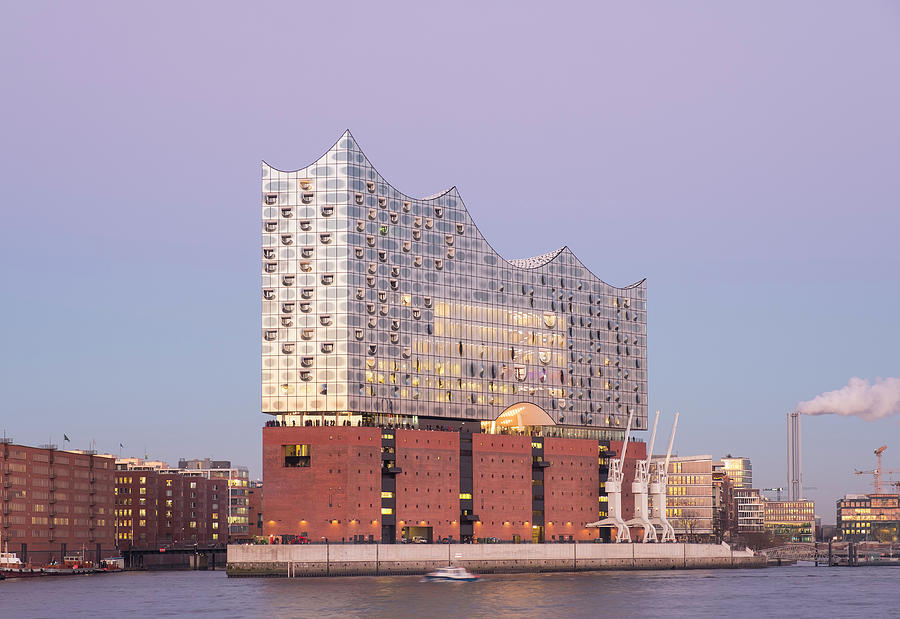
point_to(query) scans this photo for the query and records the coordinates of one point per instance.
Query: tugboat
(451, 573)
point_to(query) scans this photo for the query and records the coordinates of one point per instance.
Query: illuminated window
(296, 455)
(386, 511)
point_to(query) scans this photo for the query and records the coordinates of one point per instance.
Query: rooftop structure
(377, 305)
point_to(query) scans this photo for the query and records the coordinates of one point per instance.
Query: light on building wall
(334, 521)
(421, 522)
(374, 522)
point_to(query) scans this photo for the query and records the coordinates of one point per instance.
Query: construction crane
(878, 472)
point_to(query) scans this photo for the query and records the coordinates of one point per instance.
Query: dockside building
(420, 385)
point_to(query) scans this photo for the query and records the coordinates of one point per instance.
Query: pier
(397, 559)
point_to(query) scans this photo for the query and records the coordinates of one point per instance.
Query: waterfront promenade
(397, 559)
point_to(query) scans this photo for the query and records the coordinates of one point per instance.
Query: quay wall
(398, 559)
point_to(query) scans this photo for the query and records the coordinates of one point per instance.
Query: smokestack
(860, 398)
(794, 457)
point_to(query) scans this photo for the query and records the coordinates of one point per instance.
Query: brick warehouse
(422, 386)
(56, 503)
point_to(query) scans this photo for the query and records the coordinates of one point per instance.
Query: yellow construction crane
(878, 472)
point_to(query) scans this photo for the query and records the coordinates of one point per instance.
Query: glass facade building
(378, 306)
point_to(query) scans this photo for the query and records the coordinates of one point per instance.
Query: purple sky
(742, 158)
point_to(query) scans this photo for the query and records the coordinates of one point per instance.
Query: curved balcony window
(395, 325)
(417, 221)
(382, 296)
(306, 197)
(287, 348)
(406, 353)
(370, 281)
(372, 214)
(395, 218)
(544, 356)
(287, 308)
(370, 308)
(417, 261)
(270, 226)
(370, 186)
(359, 334)
(429, 223)
(382, 201)
(438, 263)
(407, 246)
(417, 235)
(373, 348)
(373, 322)
(271, 335)
(271, 198)
(439, 211)
(384, 310)
(448, 238)
(520, 372)
(417, 313)
(359, 252)
(427, 301)
(325, 238)
(360, 293)
(287, 321)
(305, 266)
(306, 225)
(459, 229)
(307, 252)
(370, 240)
(271, 267)
(451, 252)
(360, 225)
(327, 279)
(382, 255)
(395, 271)
(269, 254)
(307, 334)
(269, 294)
(383, 230)
(287, 212)
(306, 308)
(288, 280)
(306, 361)
(327, 347)
(325, 320)
(395, 338)
(305, 184)
(549, 320)
(305, 376)
(359, 198)
(373, 268)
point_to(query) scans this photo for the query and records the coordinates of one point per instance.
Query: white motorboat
(459, 574)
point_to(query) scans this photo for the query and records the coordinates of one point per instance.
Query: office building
(436, 388)
(869, 517)
(236, 480)
(794, 521)
(690, 497)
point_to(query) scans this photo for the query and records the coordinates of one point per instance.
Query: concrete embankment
(382, 559)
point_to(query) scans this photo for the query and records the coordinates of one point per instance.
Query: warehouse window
(296, 455)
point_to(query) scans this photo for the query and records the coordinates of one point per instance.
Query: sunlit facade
(794, 520)
(739, 471)
(377, 305)
(869, 517)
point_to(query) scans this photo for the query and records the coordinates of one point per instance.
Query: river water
(796, 591)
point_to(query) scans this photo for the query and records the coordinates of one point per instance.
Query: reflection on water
(794, 591)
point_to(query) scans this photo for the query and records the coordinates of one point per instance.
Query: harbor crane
(640, 487)
(658, 486)
(878, 472)
(614, 492)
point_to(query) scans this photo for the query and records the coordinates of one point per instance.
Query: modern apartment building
(56, 503)
(739, 471)
(236, 482)
(750, 511)
(421, 381)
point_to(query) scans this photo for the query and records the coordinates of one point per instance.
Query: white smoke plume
(859, 398)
